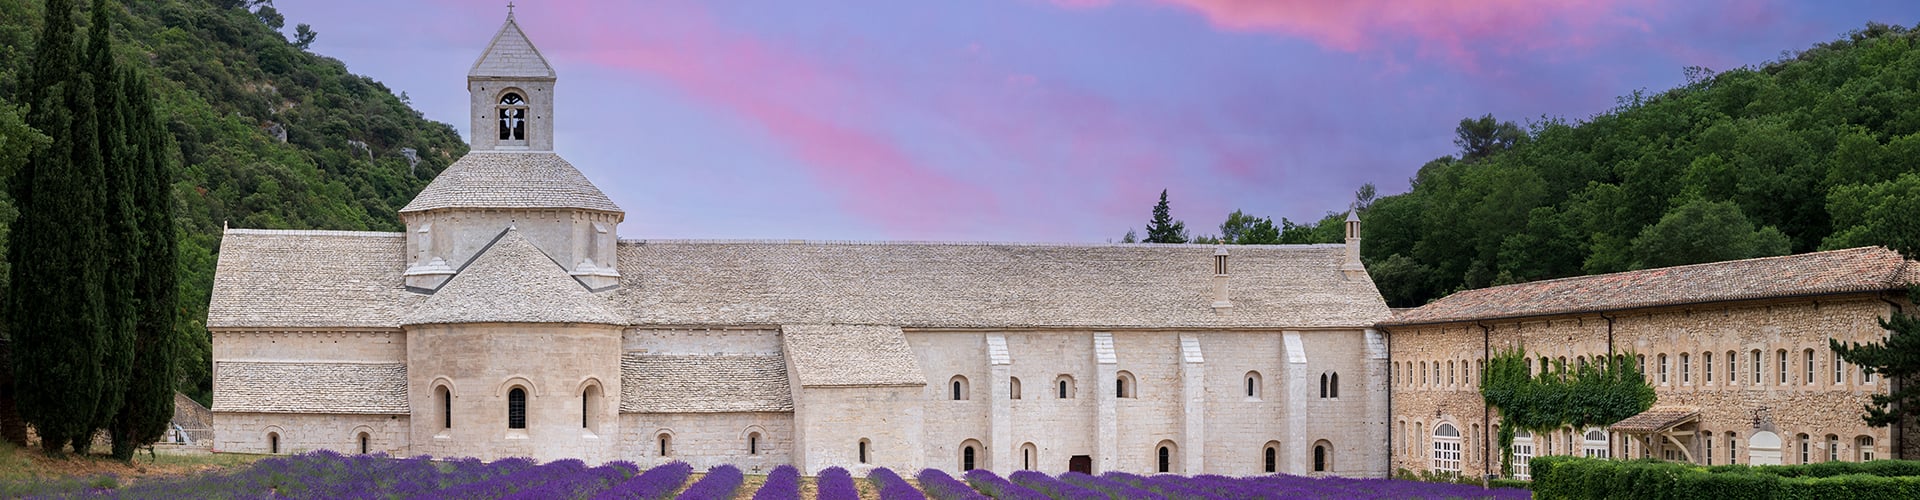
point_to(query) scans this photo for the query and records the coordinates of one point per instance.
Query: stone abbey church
(511, 319)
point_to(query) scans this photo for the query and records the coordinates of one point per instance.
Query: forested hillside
(1820, 150)
(268, 135)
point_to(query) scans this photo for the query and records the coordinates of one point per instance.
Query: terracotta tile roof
(493, 179)
(848, 355)
(511, 54)
(1656, 419)
(1865, 269)
(276, 387)
(270, 279)
(659, 383)
(334, 279)
(512, 281)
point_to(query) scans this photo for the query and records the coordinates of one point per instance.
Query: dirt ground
(24, 464)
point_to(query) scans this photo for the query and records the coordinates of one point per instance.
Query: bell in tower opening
(513, 117)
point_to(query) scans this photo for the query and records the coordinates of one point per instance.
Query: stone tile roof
(315, 279)
(849, 355)
(661, 383)
(987, 285)
(277, 387)
(511, 54)
(189, 415)
(1865, 269)
(512, 281)
(1656, 419)
(512, 179)
(332, 279)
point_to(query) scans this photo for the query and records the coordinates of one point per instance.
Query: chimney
(1220, 301)
(1351, 266)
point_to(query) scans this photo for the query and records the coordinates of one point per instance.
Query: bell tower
(510, 91)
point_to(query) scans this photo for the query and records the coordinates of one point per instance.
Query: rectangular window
(1756, 367)
(1706, 360)
(1707, 449)
(1839, 376)
(1663, 369)
(1686, 368)
(1809, 370)
(1783, 367)
(1522, 453)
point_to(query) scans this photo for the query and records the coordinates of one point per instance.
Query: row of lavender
(330, 475)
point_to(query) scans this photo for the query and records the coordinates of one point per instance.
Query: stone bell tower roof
(511, 55)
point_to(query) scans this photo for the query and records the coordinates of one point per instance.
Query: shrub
(1577, 478)
(941, 486)
(994, 486)
(782, 484)
(836, 484)
(719, 484)
(892, 486)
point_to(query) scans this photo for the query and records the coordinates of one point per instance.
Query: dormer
(510, 89)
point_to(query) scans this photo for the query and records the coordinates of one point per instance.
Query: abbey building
(511, 319)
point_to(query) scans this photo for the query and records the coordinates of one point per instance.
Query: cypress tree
(121, 245)
(56, 299)
(1162, 228)
(148, 407)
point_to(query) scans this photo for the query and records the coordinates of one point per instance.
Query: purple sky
(1033, 120)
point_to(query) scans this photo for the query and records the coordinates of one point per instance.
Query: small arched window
(1335, 385)
(1271, 457)
(365, 443)
(1806, 451)
(1013, 388)
(1450, 376)
(589, 405)
(958, 384)
(753, 443)
(1123, 386)
(1166, 459)
(513, 117)
(1322, 456)
(1833, 448)
(445, 397)
(966, 458)
(666, 444)
(1027, 453)
(1253, 385)
(863, 451)
(273, 443)
(1864, 446)
(1064, 387)
(517, 408)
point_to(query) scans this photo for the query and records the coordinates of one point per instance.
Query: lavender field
(330, 475)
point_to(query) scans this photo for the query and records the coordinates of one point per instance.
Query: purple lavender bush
(836, 484)
(892, 486)
(1055, 488)
(655, 484)
(1170, 486)
(941, 486)
(719, 484)
(782, 484)
(986, 482)
(1113, 489)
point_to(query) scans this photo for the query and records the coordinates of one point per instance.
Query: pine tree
(121, 245)
(148, 408)
(1162, 228)
(55, 304)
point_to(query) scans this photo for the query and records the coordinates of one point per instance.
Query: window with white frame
(1522, 454)
(1446, 448)
(1733, 369)
(1662, 367)
(1782, 357)
(1809, 369)
(1706, 366)
(1864, 446)
(1595, 444)
(1686, 368)
(1757, 372)
(1839, 373)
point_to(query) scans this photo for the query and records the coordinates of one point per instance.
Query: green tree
(56, 302)
(1243, 229)
(121, 243)
(1705, 231)
(1883, 214)
(18, 142)
(1483, 137)
(1162, 228)
(148, 406)
(1886, 213)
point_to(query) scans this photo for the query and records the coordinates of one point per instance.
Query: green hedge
(1556, 477)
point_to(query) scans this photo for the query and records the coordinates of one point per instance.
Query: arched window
(1028, 452)
(1686, 368)
(1522, 454)
(1662, 367)
(1864, 446)
(1064, 387)
(1013, 388)
(1596, 444)
(1529, 366)
(1706, 447)
(1706, 366)
(1166, 457)
(1123, 386)
(1323, 385)
(666, 444)
(273, 443)
(959, 386)
(1446, 448)
(1322, 456)
(517, 408)
(1253, 385)
(753, 443)
(863, 450)
(1733, 444)
(1271, 457)
(1733, 369)
(1423, 373)
(1450, 379)
(364, 442)
(445, 398)
(966, 458)
(1833, 448)
(1806, 448)
(1335, 385)
(1809, 369)
(513, 117)
(589, 405)
(1436, 373)
(1166, 460)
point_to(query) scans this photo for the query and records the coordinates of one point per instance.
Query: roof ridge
(806, 242)
(316, 232)
(1674, 268)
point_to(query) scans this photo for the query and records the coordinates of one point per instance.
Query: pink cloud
(1456, 30)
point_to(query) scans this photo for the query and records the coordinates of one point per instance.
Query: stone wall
(367, 346)
(1735, 403)
(480, 364)
(831, 422)
(706, 440)
(300, 433)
